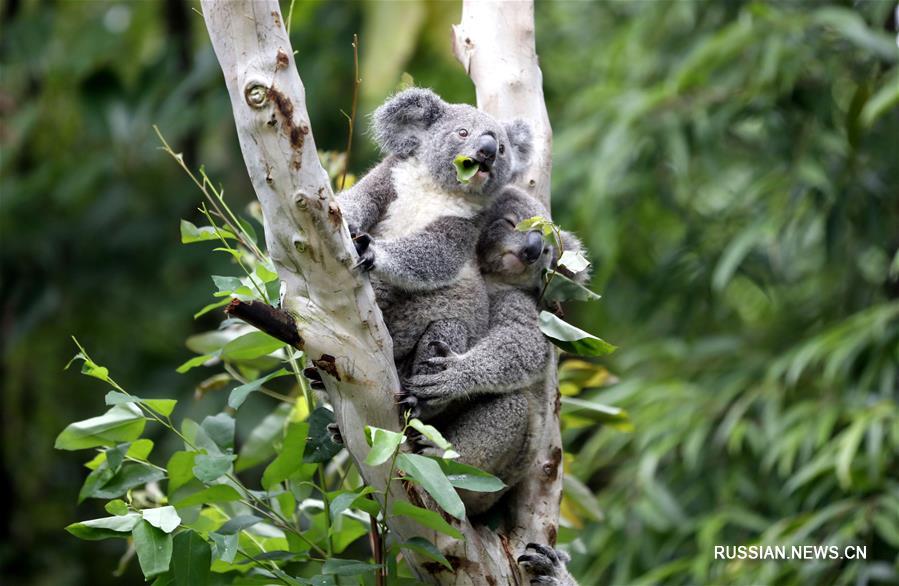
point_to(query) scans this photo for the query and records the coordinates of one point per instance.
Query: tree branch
(274, 322)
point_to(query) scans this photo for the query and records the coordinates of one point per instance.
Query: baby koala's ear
(521, 140)
(573, 244)
(400, 123)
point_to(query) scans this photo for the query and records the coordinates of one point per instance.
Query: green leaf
(250, 346)
(571, 339)
(220, 493)
(162, 406)
(470, 478)
(165, 518)
(239, 523)
(130, 476)
(260, 446)
(849, 443)
(195, 362)
(180, 470)
(122, 423)
(290, 457)
(224, 547)
(383, 444)
(89, 367)
(105, 528)
(226, 285)
(190, 233)
(466, 168)
(319, 446)
(139, 450)
(597, 413)
(339, 567)
(210, 467)
(239, 394)
(220, 429)
(577, 492)
(430, 432)
(212, 306)
(561, 288)
(154, 549)
(116, 507)
(347, 500)
(425, 517)
(108, 468)
(191, 559)
(428, 474)
(423, 547)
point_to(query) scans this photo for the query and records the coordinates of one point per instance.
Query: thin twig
(352, 116)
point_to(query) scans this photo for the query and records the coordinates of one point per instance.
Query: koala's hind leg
(491, 434)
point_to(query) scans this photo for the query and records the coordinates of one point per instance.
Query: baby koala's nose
(533, 248)
(487, 147)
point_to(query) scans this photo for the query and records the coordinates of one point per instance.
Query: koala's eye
(463, 132)
(502, 149)
(546, 250)
(510, 222)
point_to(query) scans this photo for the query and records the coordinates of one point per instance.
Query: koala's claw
(407, 402)
(440, 348)
(314, 377)
(546, 565)
(334, 432)
(366, 260)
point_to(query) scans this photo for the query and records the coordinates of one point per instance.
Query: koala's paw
(546, 565)
(408, 402)
(420, 444)
(334, 432)
(365, 251)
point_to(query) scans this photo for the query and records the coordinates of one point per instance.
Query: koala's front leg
(425, 261)
(363, 204)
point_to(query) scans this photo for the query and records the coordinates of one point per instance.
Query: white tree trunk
(310, 246)
(495, 42)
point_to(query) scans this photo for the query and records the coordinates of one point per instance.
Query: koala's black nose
(487, 147)
(533, 248)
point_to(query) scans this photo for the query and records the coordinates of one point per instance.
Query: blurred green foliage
(733, 167)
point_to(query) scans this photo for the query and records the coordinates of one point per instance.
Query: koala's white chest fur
(419, 201)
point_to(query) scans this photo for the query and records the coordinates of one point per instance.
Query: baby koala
(489, 399)
(416, 221)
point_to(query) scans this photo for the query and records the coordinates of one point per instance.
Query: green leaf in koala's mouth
(466, 168)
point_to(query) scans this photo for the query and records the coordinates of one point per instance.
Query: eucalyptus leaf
(153, 547)
(122, 423)
(425, 517)
(383, 444)
(290, 458)
(428, 474)
(571, 339)
(191, 559)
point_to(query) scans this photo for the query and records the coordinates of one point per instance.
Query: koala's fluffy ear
(572, 243)
(402, 120)
(521, 139)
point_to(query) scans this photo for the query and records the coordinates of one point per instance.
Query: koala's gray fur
(423, 223)
(489, 399)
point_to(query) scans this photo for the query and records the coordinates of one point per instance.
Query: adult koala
(489, 400)
(416, 223)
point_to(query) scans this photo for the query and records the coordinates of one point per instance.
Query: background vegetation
(733, 167)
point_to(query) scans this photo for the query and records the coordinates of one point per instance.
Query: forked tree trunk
(334, 307)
